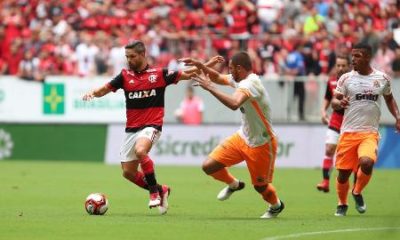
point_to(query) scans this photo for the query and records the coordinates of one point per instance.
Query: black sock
(152, 182)
(325, 173)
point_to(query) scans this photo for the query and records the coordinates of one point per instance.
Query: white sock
(277, 205)
(234, 184)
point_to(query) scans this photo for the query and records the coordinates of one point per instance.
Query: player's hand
(190, 62)
(202, 81)
(88, 96)
(345, 102)
(397, 126)
(217, 59)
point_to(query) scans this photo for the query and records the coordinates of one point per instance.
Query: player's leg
(367, 153)
(224, 155)
(261, 163)
(342, 189)
(130, 163)
(330, 148)
(346, 161)
(142, 148)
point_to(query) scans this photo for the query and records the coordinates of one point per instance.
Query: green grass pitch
(45, 200)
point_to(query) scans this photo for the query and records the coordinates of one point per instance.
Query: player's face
(234, 71)
(342, 66)
(359, 59)
(134, 59)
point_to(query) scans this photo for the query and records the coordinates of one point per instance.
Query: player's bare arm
(187, 74)
(213, 75)
(324, 115)
(99, 92)
(393, 108)
(233, 101)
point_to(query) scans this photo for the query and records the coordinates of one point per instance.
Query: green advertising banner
(52, 142)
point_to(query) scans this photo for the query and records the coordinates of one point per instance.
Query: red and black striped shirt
(335, 122)
(144, 95)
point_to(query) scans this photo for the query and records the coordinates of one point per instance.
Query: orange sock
(269, 195)
(342, 191)
(362, 181)
(223, 175)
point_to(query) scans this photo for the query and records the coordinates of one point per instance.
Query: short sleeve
(116, 83)
(249, 88)
(341, 86)
(170, 76)
(387, 89)
(328, 93)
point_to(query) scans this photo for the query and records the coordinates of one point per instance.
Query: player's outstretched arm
(213, 75)
(231, 101)
(189, 73)
(393, 108)
(99, 92)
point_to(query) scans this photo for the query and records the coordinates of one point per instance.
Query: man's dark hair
(137, 46)
(242, 59)
(345, 57)
(365, 46)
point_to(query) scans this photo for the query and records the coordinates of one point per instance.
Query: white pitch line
(296, 235)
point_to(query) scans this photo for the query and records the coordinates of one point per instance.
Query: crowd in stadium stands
(284, 37)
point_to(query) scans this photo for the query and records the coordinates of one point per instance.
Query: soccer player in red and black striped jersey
(334, 122)
(144, 89)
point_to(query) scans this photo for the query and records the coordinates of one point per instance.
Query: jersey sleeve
(387, 89)
(328, 93)
(170, 77)
(116, 83)
(248, 88)
(341, 84)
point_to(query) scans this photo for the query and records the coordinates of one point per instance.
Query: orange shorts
(260, 160)
(354, 145)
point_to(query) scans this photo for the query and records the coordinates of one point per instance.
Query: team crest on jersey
(153, 78)
(376, 84)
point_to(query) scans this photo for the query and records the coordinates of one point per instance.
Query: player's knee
(206, 168)
(210, 166)
(130, 175)
(343, 176)
(261, 188)
(366, 165)
(330, 150)
(140, 152)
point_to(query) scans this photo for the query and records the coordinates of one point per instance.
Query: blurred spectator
(268, 11)
(29, 68)
(86, 52)
(240, 17)
(116, 59)
(383, 58)
(313, 22)
(295, 67)
(396, 64)
(191, 108)
(86, 37)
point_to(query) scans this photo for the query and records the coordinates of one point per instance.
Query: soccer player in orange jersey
(334, 122)
(255, 142)
(359, 92)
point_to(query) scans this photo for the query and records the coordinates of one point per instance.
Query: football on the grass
(96, 204)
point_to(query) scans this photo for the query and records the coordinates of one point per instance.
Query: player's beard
(134, 66)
